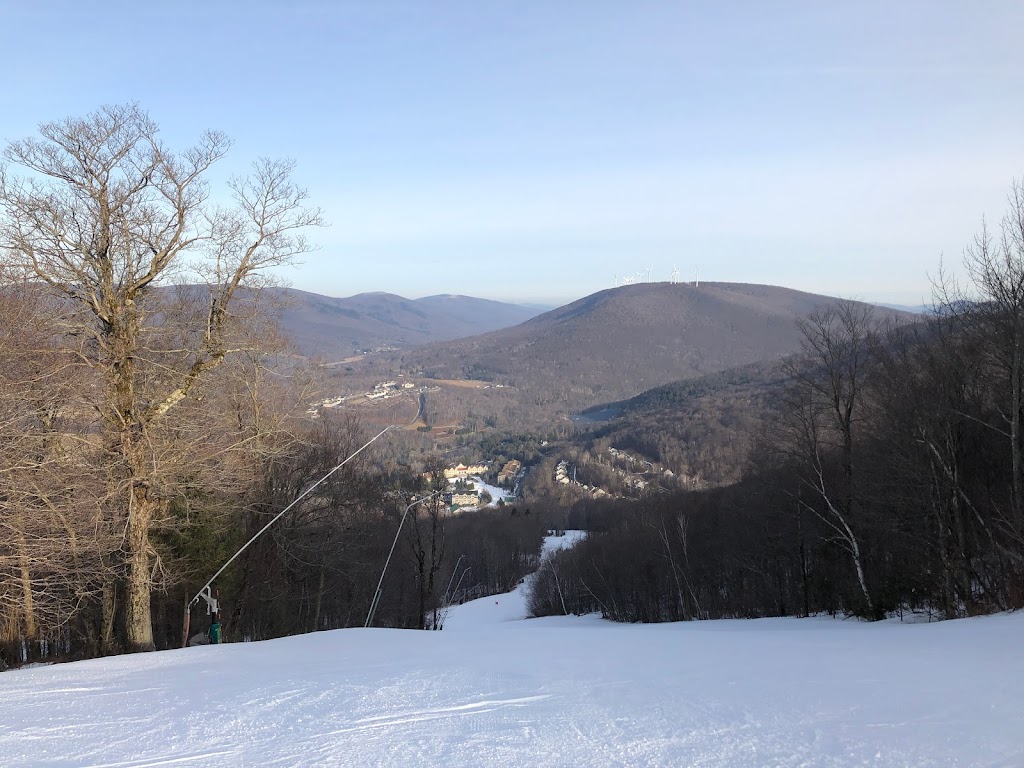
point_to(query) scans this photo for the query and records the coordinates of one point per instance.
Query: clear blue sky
(532, 150)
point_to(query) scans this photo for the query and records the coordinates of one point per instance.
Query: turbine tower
(675, 274)
(696, 277)
(649, 274)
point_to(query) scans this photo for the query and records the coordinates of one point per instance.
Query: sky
(538, 150)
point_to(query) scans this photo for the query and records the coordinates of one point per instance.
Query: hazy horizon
(554, 303)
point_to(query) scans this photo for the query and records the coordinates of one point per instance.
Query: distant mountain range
(336, 328)
(622, 341)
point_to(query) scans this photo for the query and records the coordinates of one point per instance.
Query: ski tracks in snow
(546, 693)
(168, 761)
(423, 715)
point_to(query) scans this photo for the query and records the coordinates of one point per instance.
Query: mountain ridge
(621, 341)
(333, 327)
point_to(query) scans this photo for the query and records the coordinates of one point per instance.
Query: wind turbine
(696, 277)
(649, 274)
(675, 274)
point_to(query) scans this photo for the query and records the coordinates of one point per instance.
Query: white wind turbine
(649, 274)
(675, 274)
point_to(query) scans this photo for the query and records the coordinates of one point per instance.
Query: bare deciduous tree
(49, 544)
(427, 541)
(101, 212)
(995, 265)
(828, 379)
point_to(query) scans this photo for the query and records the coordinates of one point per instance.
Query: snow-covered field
(493, 689)
(495, 492)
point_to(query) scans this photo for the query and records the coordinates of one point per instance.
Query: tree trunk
(855, 552)
(28, 603)
(108, 616)
(319, 599)
(138, 613)
(804, 576)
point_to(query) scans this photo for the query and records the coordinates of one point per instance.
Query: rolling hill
(700, 428)
(335, 328)
(622, 341)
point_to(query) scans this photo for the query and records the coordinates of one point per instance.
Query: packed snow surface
(496, 689)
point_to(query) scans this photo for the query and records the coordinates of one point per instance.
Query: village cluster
(639, 475)
(468, 486)
(562, 478)
(381, 391)
(386, 389)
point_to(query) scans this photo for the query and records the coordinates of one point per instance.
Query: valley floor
(493, 689)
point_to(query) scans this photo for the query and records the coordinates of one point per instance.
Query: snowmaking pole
(380, 584)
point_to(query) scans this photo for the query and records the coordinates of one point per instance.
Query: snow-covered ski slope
(493, 689)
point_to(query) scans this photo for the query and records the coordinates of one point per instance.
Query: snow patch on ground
(567, 540)
(493, 689)
(496, 493)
